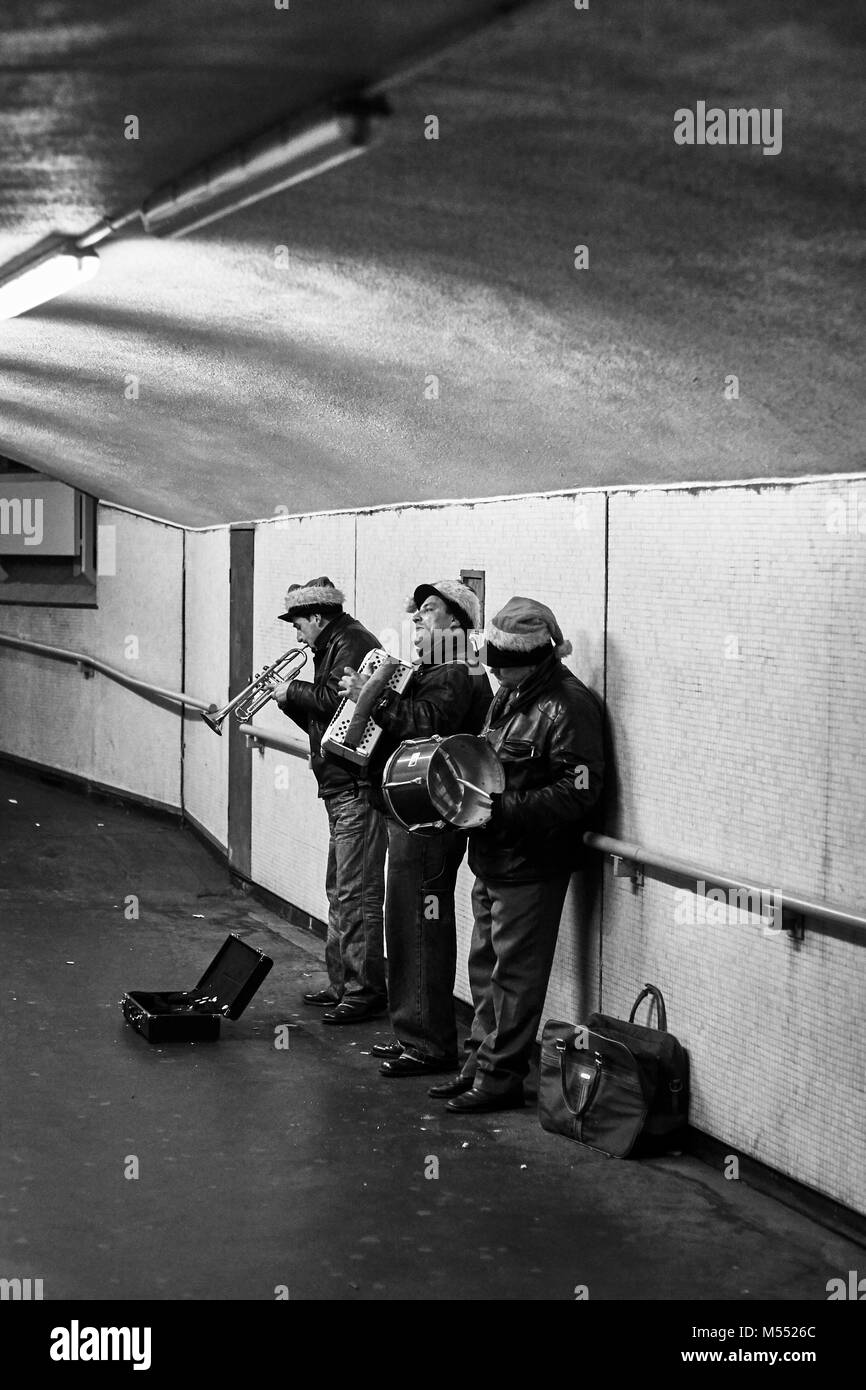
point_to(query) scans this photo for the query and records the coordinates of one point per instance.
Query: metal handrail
(285, 745)
(792, 904)
(92, 663)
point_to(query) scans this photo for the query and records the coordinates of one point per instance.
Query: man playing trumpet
(355, 880)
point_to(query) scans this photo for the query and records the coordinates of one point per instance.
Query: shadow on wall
(581, 924)
(582, 921)
(606, 815)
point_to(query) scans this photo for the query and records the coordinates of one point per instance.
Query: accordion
(353, 733)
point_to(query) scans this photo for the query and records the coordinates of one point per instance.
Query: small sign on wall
(475, 580)
(37, 516)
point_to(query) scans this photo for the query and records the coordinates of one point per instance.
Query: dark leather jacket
(551, 743)
(344, 642)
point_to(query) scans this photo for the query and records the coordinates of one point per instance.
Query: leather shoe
(455, 1087)
(476, 1102)
(323, 998)
(354, 1013)
(394, 1049)
(415, 1066)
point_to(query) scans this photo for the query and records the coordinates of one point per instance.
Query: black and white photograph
(432, 671)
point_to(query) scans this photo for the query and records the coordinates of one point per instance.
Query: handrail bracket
(794, 923)
(628, 868)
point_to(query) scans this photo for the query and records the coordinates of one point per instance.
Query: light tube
(42, 274)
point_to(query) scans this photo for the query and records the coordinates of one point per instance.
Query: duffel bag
(614, 1085)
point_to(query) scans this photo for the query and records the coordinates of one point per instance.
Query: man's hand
(495, 818)
(281, 691)
(351, 683)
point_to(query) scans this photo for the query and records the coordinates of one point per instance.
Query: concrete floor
(261, 1167)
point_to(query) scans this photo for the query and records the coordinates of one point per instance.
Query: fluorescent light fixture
(52, 267)
(296, 150)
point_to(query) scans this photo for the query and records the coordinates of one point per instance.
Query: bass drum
(432, 783)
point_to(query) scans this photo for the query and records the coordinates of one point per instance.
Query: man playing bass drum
(546, 726)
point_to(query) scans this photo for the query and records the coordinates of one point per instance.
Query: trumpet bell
(259, 691)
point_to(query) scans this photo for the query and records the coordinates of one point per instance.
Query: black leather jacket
(551, 743)
(344, 642)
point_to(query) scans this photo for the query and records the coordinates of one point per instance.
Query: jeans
(421, 934)
(355, 884)
(510, 959)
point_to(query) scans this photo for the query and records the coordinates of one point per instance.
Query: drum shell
(434, 783)
(405, 789)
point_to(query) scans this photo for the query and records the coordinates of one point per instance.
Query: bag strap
(651, 992)
(587, 1092)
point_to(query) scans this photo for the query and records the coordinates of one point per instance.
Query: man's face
(511, 676)
(308, 628)
(432, 616)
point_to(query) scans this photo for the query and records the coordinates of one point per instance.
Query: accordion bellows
(353, 733)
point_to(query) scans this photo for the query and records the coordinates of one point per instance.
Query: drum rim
(489, 762)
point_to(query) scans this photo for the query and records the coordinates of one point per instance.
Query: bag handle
(651, 992)
(590, 1090)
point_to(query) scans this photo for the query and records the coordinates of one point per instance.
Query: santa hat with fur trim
(310, 596)
(455, 593)
(523, 633)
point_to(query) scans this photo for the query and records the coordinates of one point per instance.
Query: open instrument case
(193, 1015)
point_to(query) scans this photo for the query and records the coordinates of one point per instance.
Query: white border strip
(805, 480)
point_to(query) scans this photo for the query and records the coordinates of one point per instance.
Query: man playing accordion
(445, 696)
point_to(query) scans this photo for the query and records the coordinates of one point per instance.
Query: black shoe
(475, 1102)
(354, 1013)
(323, 998)
(394, 1049)
(415, 1066)
(455, 1087)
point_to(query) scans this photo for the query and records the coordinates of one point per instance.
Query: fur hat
(523, 633)
(456, 595)
(316, 593)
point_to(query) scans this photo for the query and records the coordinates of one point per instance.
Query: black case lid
(233, 976)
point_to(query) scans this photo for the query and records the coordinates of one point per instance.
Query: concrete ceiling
(303, 386)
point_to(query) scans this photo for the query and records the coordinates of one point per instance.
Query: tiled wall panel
(550, 548)
(289, 824)
(205, 768)
(93, 727)
(736, 679)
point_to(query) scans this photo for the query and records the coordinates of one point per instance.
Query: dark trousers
(421, 937)
(355, 884)
(513, 941)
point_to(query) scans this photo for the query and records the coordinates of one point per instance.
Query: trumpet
(259, 691)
